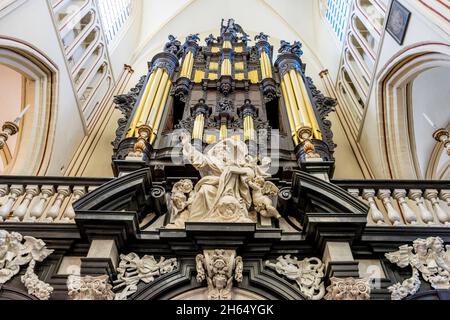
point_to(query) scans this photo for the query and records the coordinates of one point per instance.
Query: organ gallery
(224, 188)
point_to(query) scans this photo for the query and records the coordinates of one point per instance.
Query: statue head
(179, 200)
(420, 247)
(436, 244)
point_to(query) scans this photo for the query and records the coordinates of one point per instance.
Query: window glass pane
(114, 15)
(337, 15)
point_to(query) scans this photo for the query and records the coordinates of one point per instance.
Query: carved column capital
(89, 288)
(165, 60)
(348, 289)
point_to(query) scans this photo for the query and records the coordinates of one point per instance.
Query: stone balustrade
(42, 199)
(403, 203)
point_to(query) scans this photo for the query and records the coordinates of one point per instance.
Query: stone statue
(219, 268)
(210, 40)
(428, 257)
(232, 183)
(286, 47)
(308, 274)
(262, 37)
(261, 191)
(173, 46)
(193, 38)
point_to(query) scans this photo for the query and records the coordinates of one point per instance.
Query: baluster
(393, 215)
(53, 212)
(69, 215)
(408, 214)
(445, 195)
(425, 215)
(38, 210)
(4, 190)
(377, 215)
(15, 192)
(21, 211)
(432, 196)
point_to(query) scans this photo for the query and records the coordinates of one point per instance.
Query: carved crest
(219, 268)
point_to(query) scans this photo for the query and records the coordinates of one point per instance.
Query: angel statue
(232, 182)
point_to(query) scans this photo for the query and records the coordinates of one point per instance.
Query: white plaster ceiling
(282, 19)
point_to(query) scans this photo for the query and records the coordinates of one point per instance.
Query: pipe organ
(226, 88)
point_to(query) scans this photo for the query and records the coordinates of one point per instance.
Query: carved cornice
(165, 60)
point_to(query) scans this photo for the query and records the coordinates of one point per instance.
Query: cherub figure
(261, 192)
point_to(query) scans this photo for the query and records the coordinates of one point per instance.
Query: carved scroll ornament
(308, 274)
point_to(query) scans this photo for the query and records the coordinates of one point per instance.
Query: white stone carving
(308, 274)
(89, 288)
(427, 256)
(408, 287)
(36, 287)
(219, 268)
(133, 270)
(232, 182)
(348, 289)
(14, 254)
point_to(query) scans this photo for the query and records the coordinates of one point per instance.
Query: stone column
(339, 261)
(102, 259)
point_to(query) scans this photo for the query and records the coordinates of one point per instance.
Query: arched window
(114, 15)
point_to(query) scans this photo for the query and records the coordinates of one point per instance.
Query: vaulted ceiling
(282, 19)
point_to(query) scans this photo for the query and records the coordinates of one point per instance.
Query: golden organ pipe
(309, 108)
(151, 97)
(263, 67)
(289, 113)
(157, 101)
(199, 125)
(140, 108)
(223, 131)
(157, 123)
(249, 133)
(298, 120)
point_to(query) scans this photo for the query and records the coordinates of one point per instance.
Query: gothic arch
(35, 139)
(394, 105)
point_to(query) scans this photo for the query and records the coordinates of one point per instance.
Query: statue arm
(196, 158)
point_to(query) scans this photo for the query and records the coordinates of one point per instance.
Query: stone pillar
(102, 259)
(339, 261)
